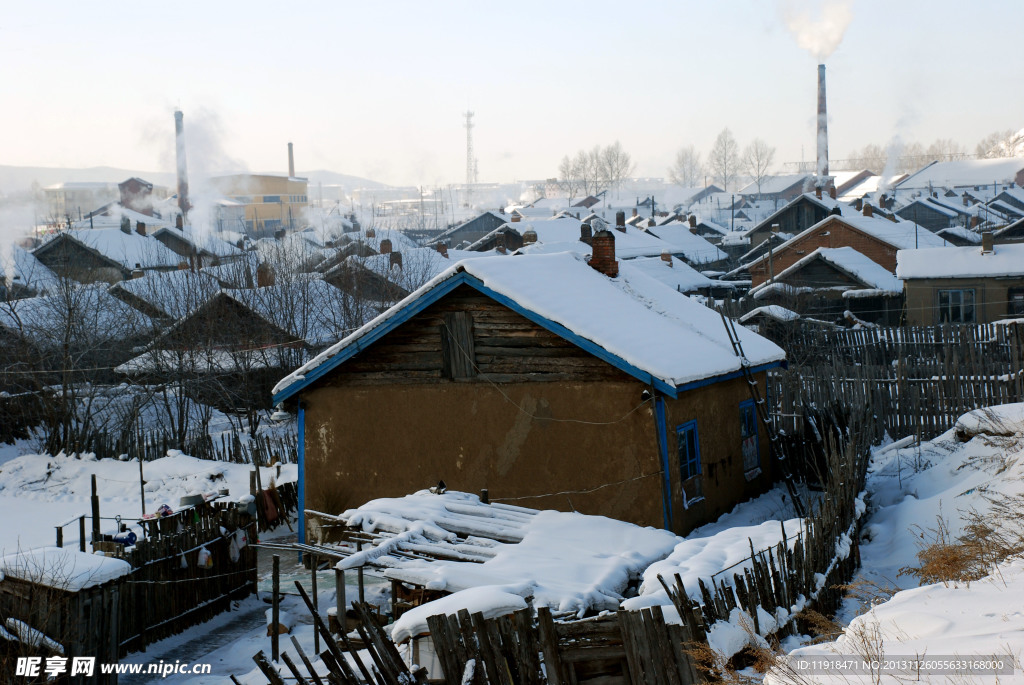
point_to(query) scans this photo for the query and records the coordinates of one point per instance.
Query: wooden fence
(153, 444)
(915, 380)
(167, 590)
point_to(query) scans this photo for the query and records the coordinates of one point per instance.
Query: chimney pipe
(586, 234)
(179, 144)
(822, 128)
(291, 162)
(603, 256)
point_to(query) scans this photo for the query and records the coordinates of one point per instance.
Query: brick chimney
(832, 191)
(264, 275)
(987, 247)
(586, 234)
(529, 236)
(396, 259)
(138, 273)
(666, 257)
(817, 192)
(442, 250)
(858, 204)
(634, 211)
(515, 218)
(693, 221)
(370, 233)
(179, 221)
(126, 225)
(776, 228)
(966, 199)
(385, 246)
(868, 211)
(975, 221)
(140, 228)
(603, 256)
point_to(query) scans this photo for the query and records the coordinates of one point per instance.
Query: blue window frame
(688, 448)
(748, 436)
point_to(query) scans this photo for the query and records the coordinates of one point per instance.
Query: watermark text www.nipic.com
(36, 666)
(902, 665)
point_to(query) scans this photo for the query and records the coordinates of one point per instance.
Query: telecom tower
(470, 159)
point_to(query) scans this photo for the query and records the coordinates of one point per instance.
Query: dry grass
(988, 539)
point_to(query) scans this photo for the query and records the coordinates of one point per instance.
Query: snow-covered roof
(110, 215)
(568, 561)
(89, 310)
(963, 173)
(825, 202)
(674, 273)
(960, 232)
(202, 240)
(772, 311)
(850, 262)
(961, 262)
(777, 184)
(649, 330)
(63, 568)
(175, 293)
(680, 240)
(130, 250)
(22, 268)
(308, 307)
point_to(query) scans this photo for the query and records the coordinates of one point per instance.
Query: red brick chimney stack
(603, 257)
(385, 246)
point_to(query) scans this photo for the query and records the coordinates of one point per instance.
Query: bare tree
(724, 159)
(757, 159)
(872, 157)
(569, 177)
(1008, 143)
(911, 158)
(946, 150)
(687, 169)
(616, 164)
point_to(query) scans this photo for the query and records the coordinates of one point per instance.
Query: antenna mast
(470, 159)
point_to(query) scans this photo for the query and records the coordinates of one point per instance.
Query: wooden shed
(63, 602)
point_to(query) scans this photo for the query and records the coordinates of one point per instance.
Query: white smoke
(817, 26)
(893, 151)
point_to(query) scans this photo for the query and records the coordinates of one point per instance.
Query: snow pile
(568, 561)
(63, 568)
(491, 601)
(703, 558)
(1005, 420)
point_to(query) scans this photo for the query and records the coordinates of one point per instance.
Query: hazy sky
(377, 88)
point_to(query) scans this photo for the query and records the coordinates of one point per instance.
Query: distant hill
(15, 180)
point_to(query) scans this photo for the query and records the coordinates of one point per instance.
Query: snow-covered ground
(40, 492)
(910, 491)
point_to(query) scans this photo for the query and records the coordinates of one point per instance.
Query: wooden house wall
(991, 297)
(531, 416)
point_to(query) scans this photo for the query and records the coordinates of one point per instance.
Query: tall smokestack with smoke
(179, 142)
(291, 162)
(822, 129)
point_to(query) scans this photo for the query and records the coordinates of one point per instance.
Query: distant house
(875, 238)
(472, 230)
(195, 248)
(1013, 233)
(167, 296)
(932, 214)
(831, 281)
(963, 284)
(798, 215)
(536, 376)
(782, 188)
(966, 174)
(104, 254)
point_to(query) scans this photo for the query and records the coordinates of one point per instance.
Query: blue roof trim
(728, 376)
(448, 285)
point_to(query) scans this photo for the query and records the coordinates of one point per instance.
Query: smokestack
(822, 128)
(179, 142)
(291, 162)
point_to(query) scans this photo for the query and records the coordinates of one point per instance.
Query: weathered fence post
(276, 613)
(95, 512)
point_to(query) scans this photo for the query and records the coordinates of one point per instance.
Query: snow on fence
(154, 444)
(914, 380)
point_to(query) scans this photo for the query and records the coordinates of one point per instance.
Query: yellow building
(271, 202)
